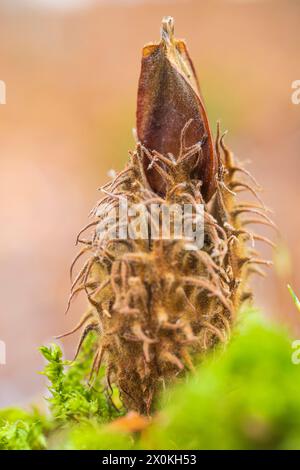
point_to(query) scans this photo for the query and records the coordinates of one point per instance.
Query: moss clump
(244, 397)
(20, 430)
(71, 401)
(71, 397)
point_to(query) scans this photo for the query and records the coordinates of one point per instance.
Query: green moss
(93, 437)
(294, 297)
(71, 396)
(20, 430)
(71, 401)
(243, 397)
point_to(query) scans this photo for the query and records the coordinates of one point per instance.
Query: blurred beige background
(71, 70)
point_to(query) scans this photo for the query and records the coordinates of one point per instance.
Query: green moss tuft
(72, 397)
(244, 397)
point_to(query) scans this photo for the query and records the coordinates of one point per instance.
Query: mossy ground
(243, 397)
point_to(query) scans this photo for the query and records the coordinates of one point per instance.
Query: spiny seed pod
(155, 302)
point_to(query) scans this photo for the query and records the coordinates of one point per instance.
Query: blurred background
(71, 69)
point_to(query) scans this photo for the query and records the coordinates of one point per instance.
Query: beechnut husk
(157, 303)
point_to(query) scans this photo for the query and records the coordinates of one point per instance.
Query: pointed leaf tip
(168, 98)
